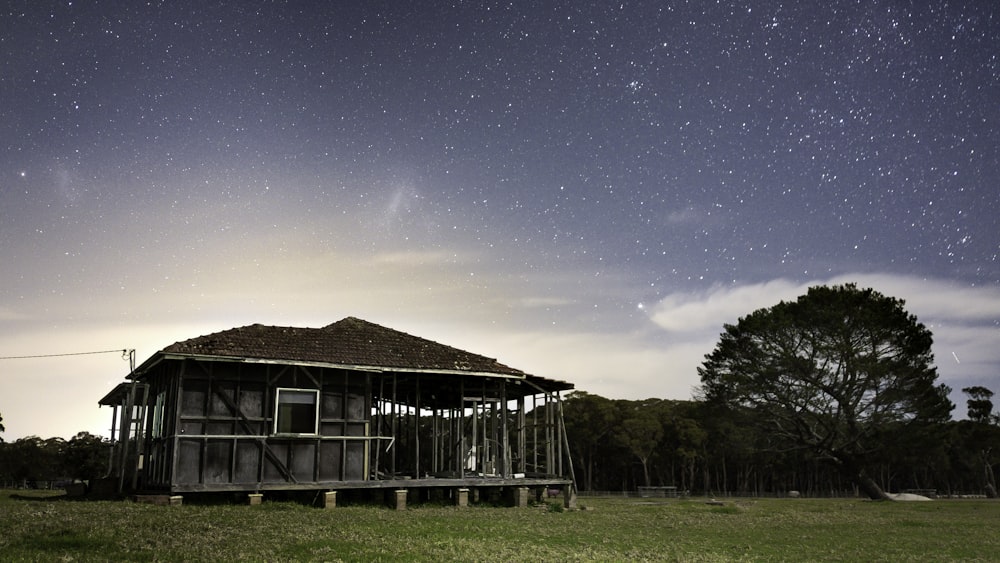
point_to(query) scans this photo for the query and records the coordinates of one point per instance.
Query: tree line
(620, 445)
(33, 461)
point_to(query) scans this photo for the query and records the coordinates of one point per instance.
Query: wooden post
(534, 432)
(379, 411)
(416, 433)
(504, 457)
(460, 458)
(395, 428)
(475, 436)
(569, 455)
(121, 453)
(521, 438)
(435, 440)
(550, 455)
(557, 415)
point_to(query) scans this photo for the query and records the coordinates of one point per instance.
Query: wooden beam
(504, 436)
(416, 433)
(265, 449)
(521, 437)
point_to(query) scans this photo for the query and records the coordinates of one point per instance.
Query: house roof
(350, 342)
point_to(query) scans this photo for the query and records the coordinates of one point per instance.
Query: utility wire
(123, 352)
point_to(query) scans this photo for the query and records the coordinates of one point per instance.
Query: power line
(123, 352)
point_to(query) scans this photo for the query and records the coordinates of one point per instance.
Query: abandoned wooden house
(353, 406)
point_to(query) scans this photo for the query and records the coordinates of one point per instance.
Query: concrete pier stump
(521, 497)
(330, 499)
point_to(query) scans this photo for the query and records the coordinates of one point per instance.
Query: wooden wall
(218, 422)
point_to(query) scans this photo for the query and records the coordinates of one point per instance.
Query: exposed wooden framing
(490, 411)
(138, 422)
(281, 372)
(395, 425)
(534, 432)
(239, 413)
(504, 436)
(217, 432)
(521, 437)
(305, 371)
(367, 409)
(551, 438)
(435, 440)
(557, 416)
(379, 417)
(416, 432)
(483, 468)
(460, 458)
(244, 422)
(478, 482)
(206, 409)
(115, 442)
(124, 433)
(475, 437)
(175, 440)
(266, 408)
(565, 442)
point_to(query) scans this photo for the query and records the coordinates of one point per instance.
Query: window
(296, 412)
(161, 399)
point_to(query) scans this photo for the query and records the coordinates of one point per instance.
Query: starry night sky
(583, 190)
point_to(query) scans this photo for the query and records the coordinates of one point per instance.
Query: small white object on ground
(907, 497)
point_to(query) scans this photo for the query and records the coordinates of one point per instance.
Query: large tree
(86, 456)
(640, 432)
(831, 372)
(980, 404)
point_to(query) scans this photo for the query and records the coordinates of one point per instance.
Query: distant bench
(658, 492)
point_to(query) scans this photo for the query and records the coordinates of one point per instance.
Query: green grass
(609, 530)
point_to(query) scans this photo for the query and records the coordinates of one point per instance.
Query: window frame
(158, 415)
(278, 417)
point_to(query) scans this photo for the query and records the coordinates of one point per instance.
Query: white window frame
(277, 410)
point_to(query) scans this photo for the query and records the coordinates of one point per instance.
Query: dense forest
(619, 445)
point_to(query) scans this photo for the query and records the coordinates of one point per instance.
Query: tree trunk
(991, 482)
(645, 469)
(869, 487)
(853, 470)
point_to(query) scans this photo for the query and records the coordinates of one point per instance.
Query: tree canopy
(832, 372)
(980, 404)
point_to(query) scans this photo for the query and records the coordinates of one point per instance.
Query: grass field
(52, 529)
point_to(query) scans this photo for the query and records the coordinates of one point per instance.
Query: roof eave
(162, 356)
